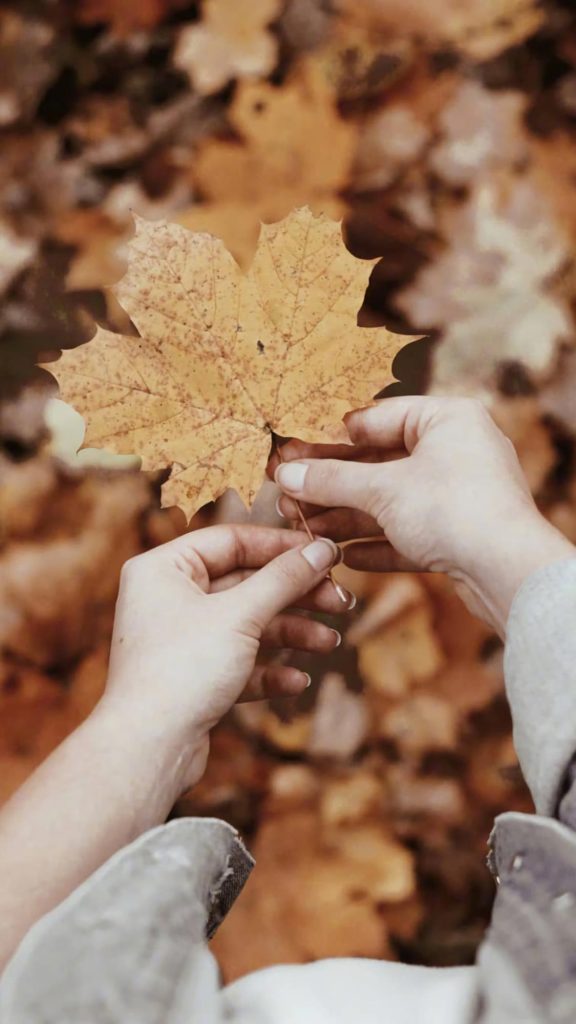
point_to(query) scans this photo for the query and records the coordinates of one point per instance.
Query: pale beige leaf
(232, 41)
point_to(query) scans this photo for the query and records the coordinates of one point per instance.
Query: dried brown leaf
(481, 29)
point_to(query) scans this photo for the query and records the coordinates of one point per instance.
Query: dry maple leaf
(225, 358)
(233, 40)
(296, 148)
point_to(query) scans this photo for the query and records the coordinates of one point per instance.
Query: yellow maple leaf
(225, 358)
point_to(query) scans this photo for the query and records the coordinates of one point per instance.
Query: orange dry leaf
(96, 238)
(293, 149)
(223, 359)
(401, 654)
(233, 40)
(328, 902)
(125, 16)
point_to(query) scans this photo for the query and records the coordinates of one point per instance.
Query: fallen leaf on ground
(327, 902)
(27, 697)
(420, 724)
(478, 28)
(558, 398)
(402, 653)
(397, 594)
(297, 149)
(59, 581)
(480, 129)
(362, 64)
(125, 16)
(521, 419)
(96, 239)
(351, 799)
(392, 139)
(489, 288)
(223, 359)
(27, 65)
(16, 253)
(232, 41)
(341, 720)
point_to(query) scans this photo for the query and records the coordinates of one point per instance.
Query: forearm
(108, 782)
(510, 556)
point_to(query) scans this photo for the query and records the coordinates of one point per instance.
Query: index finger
(295, 449)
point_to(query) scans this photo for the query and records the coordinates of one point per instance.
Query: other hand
(438, 486)
(192, 616)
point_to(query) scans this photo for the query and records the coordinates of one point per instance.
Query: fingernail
(291, 476)
(320, 554)
(279, 511)
(338, 637)
(309, 678)
(353, 601)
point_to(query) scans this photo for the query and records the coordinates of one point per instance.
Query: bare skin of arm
(190, 621)
(433, 480)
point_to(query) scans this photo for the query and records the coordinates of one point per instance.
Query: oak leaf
(225, 358)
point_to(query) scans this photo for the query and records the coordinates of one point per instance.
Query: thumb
(285, 579)
(333, 483)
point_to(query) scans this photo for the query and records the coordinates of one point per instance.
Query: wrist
(166, 756)
(510, 554)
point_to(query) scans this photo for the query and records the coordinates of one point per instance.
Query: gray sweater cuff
(540, 673)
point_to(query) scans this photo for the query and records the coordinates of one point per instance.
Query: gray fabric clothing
(128, 946)
(130, 943)
(540, 671)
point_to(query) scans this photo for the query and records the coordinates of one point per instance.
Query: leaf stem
(339, 590)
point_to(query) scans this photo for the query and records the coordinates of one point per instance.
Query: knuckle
(358, 427)
(375, 501)
(473, 408)
(335, 474)
(317, 476)
(290, 573)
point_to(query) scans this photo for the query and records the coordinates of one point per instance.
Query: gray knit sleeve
(540, 672)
